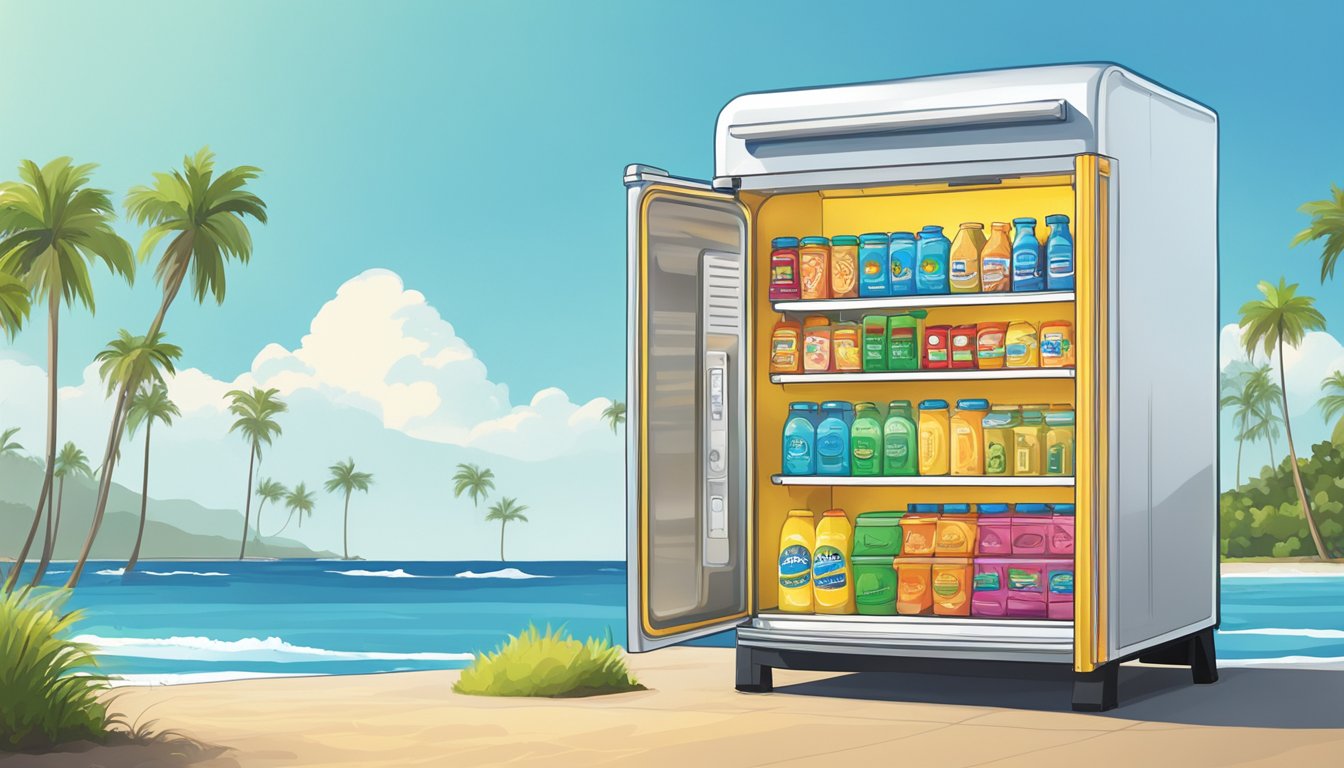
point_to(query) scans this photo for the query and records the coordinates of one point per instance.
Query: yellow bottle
(832, 572)
(1029, 444)
(998, 427)
(1021, 346)
(968, 437)
(934, 438)
(797, 539)
(1059, 442)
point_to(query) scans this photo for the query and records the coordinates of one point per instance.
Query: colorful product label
(864, 448)
(831, 446)
(828, 568)
(1054, 345)
(1024, 580)
(782, 274)
(797, 449)
(902, 344)
(996, 458)
(996, 270)
(897, 449)
(795, 566)
(946, 584)
(1061, 582)
(1055, 460)
(987, 581)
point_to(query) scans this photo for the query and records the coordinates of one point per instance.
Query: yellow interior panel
(888, 209)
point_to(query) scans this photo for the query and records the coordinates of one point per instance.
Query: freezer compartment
(1027, 640)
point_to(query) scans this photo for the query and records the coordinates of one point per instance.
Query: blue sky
(476, 148)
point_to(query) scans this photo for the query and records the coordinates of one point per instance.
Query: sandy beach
(692, 716)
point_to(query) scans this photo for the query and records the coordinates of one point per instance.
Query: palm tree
(255, 411)
(203, 217)
(344, 478)
(505, 510)
(1241, 399)
(148, 405)
(1284, 318)
(474, 481)
(267, 490)
(299, 500)
(1327, 221)
(53, 227)
(1332, 404)
(14, 305)
(125, 358)
(1265, 419)
(70, 461)
(614, 414)
(7, 444)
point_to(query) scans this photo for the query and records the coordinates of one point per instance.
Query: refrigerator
(1135, 167)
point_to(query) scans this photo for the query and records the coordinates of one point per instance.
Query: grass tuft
(48, 694)
(550, 663)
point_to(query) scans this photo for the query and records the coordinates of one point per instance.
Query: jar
(844, 267)
(784, 278)
(874, 264)
(814, 268)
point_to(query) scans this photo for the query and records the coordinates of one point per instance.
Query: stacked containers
(877, 540)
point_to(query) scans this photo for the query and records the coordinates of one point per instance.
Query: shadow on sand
(1251, 698)
(124, 751)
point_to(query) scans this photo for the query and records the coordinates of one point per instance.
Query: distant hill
(174, 528)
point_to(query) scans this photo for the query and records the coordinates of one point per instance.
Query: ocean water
(182, 622)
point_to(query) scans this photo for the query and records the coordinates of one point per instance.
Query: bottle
(800, 440)
(1059, 443)
(832, 572)
(990, 349)
(784, 283)
(937, 342)
(874, 264)
(865, 441)
(934, 431)
(814, 268)
(817, 345)
(1056, 344)
(932, 255)
(1027, 272)
(900, 441)
(901, 259)
(1028, 442)
(786, 341)
(1021, 348)
(797, 539)
(905, 344)
(875, 343)
(844, 267)
(968, 437)
(998, 427)
(833, 438)
(1058, 254)
(964, 260)
(962, 341)
(996, 260)
(845, 352)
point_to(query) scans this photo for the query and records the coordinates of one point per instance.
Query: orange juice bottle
(996, 260)
(934, 437)
(832, 572)
(968, 437)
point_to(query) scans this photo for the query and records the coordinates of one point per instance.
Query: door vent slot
(722, 293)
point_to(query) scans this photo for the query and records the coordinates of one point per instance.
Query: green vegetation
(345, 479)
(267, 490)
(47, 694)
(506, 511)
(473, 481)
(1262, 518)
(147, 406)
(256, 412)
(14, 305)
(70, 462)
(1253, 396)
(614, 414)
(53, 227)
(299, 501)
(551, 664)
(1327, 222)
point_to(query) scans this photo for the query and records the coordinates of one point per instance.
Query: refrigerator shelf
(948, 374)
(916, 302)
(973, 481)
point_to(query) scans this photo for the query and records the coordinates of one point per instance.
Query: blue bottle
(1028, 274)
(833, 438)
(901, 257)
(800, 440)
(1058, 254)
(874, 264)
(931, 276)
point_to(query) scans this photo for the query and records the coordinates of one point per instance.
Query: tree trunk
(1240, 444)
(288, 520)
(260, 506)
(1292, 462)
(502, 523)
(247, 503)
(346, 526)
(49, 544)
(144, 503)
(53, 347)
(171, 286)
(1272, 463)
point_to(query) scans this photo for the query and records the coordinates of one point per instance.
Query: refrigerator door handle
(1049, 110)
(717, 419)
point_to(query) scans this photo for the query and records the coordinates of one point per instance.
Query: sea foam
(248, 649)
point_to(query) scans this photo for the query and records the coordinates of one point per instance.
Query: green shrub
(548, 664)
(1263, 519)
(48, 694)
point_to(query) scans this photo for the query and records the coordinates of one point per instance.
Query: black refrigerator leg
(753, 677)
(1203, 658)
(1095, 691)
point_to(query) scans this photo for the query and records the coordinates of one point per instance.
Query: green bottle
(900, 440)
(865, 441)
(875, 343)
(905, 341)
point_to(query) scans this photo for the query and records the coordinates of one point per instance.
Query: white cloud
(1319, 355)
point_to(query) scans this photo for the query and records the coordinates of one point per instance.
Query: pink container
(1026, 589)
(1061, 535)
(1031, 532)
(994, 535)
(989, 596)
(1059, 586)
